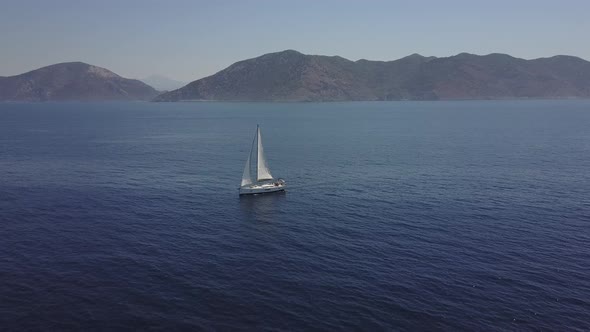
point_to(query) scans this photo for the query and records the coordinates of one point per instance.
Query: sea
(398, 216)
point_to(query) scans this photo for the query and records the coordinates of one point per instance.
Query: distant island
(293, 76)
(162, 83)
(72, 81)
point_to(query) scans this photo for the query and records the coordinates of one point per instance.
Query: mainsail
(263, 173)
(246, 180)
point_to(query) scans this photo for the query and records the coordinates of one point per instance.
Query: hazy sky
(186, 40)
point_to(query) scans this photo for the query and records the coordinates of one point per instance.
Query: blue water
(469, 215)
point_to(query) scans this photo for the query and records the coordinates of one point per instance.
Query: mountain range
(293, 76)
(72, 81)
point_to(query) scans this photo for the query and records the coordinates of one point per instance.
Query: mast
(262, 171)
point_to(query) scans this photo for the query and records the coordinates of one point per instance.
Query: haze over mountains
(293, 76)
(162, 83)
(72, 81)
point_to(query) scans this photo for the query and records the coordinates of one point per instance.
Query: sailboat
(264, 183)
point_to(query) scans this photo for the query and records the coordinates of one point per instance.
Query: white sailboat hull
(262, 188)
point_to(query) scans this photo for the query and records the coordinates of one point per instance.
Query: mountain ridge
(72, 81)
(293, 76)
